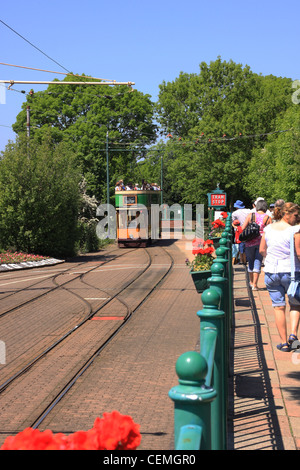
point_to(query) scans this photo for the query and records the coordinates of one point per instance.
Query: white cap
(258, 199)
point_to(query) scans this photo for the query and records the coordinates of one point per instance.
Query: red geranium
(217, 224)
(202, 246)
(117, 432)
(33, 439)
(203, 251)
(112, 432)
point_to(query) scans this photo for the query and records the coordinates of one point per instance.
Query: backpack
(251, 231)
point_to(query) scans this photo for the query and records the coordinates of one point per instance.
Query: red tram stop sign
(217, 199)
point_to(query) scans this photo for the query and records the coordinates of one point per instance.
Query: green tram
(133, 212)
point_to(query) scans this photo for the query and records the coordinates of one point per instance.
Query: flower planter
(200, 279)
(216, 241)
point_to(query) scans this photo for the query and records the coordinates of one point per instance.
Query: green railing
(201, 398)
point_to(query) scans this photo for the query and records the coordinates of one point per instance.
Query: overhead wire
(37, 48)
(51, 71)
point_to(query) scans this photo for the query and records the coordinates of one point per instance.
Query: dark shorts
(242, 247)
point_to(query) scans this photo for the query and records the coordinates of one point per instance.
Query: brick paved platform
(265, 393)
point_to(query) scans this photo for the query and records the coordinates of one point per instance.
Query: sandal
(284, 347)
(291, 340)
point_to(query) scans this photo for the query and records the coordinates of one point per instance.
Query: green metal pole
(226, 243)
(219, 282)
(192, 403)
(107, 184)
(212, 318)
(161, 179)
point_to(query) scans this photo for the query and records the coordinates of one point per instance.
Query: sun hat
(239, 204)
(272, 205)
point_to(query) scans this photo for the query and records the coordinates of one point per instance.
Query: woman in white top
(275, 246)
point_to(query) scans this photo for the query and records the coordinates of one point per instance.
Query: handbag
(251, 231)
(293, 291)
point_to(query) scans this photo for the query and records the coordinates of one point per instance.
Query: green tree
(210, 118)
(274, 171)
(39, 197)
(87, 117)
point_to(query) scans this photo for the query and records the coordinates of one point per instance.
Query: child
(236, 242)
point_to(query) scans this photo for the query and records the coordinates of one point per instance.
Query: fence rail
(201, 397)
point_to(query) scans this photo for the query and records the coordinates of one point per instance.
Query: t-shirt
(240, 215)
(278, 249)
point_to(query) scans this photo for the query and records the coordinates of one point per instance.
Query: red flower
(112, 432)
(118, 432)
(33, 439)
(197, 242)
(218, 223)
(224, 215)
(202, 247)
(208, 250)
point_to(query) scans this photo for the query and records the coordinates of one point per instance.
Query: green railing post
(222, 258)
(192, 403)
(212, 325)
(219, 282)
(226, 243)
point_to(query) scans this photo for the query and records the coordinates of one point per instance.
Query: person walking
(275, 246)
(240, 214)
(237, 230)
(253, 255)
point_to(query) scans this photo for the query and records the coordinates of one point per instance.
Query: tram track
(36, 422)
(96, 354)
(88, 314)
(51, 278)
(91, 313)
(90, 361)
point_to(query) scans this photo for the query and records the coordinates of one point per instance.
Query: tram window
(129, 199)
(122, 219)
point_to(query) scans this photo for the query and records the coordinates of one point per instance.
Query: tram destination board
(129, 200)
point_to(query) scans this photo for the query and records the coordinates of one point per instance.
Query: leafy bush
(39, 198)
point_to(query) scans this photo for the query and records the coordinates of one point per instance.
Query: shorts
(242, 247)
(235, 250)
(277, 285)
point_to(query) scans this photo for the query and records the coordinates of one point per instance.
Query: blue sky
(142, 42)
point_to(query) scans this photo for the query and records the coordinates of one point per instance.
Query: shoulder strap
(292, 254)
(253, 217)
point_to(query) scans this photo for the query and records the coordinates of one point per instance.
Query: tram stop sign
(217, 199)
